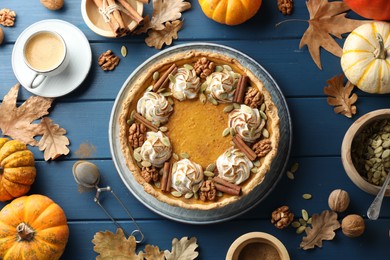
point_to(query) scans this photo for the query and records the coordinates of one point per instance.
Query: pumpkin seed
(189, 195)
(202, 98)
(302, 221)
(170, 101)
(156, 75)
(195, 188)
(226, 131)
(232, 131)
(290, 175)
(294, 167)
(184, 155)
(146, 164)
(165, 141)
(262, 107)
(172, 79)
(227, 67)
(148, 89)
(219, 194)
(236, 106)
(263, 115)
(203, 87)
(124, 51)
(137, 157)
(196, 196)
(228, 108)
(157, 184)
(309, 221)
(188, 66)
(307, 196)
(166, 94)
(163, 129)
(175, 156)
(208, 173)
(213, 101)
(295, 224)
(218, 68)
(254, 170)
(130, 121)
(265, 133)
(211, 167)
(178, 95)
(177, 194)
(257, 163)
(300, 229)
(177, 183)
(174, 167)
(247, 109)
(305, 215)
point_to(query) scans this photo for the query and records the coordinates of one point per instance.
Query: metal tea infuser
(87, 175)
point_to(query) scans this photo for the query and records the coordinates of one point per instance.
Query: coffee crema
(44, 51)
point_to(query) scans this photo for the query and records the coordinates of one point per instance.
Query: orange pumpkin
(230, 12)
(17, 170)
(32, 227)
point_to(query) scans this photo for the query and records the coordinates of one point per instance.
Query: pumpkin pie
(198, 130)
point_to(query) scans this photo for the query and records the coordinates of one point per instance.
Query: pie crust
(146, 80)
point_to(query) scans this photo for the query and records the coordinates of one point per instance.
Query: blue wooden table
(317, 136)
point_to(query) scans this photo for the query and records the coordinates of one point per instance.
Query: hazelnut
(52, 4)
(353, 225)
(1, 35)
(338, 200)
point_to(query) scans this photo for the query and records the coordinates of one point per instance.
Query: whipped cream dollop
(247, 123)
(186, 85)
(154, 107)
(222, 85)
(233, 166)
(187, 176)
(157, 148)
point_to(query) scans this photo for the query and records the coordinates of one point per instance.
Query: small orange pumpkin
(230, 12)
(17, 170)
(32, 227)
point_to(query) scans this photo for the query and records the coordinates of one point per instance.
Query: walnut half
(108, 60)
(7, 17)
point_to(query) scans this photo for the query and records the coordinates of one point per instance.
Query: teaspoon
(375, 208)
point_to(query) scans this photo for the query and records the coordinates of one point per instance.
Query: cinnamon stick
(220, 181)
(240, 90)
(164, 78)
(146, 122)
(169, 183)
(116, 14)
(244, 148)
(165, 177)
(114, 25)
(226, 190)
(131, 12)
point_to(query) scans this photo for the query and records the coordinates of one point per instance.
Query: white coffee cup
(45, 53)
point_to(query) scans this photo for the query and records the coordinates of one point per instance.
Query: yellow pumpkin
(230, 12)
(17, 170)
(32, 227)
(366, 57)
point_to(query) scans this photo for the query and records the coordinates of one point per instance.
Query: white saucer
(80, 60)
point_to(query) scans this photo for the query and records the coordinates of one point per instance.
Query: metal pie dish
(243, 204)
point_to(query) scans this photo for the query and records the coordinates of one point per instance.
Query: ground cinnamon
(146, 122)
(163, 80)
(237, 140)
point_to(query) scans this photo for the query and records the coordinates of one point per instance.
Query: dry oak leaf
(182, 249)
(16, 122)
(158, 38)
(53, 141)
(115, 246)
(153, 253)
(323, 227)
(167, 10)
(340, 97)
(326, 19)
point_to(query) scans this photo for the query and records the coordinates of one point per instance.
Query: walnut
(1, 35)
(52, 4)
(207, 191)
(108, 60)
(282, 217)
(285, 6)
(262, 147)
(203, 67)
(7, 17)
(150, 174)
(254, 98)
(338, 200)
(137, 135)
(353, 225)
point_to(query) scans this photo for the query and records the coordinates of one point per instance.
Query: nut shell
(338, 200)
(53, 4)
(1, 35)
(353, 225)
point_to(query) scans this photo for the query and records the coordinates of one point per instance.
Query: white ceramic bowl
(346, 157)
(96, 23)
(257, 245)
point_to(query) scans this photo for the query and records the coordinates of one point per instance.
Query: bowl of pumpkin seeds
(365, 151)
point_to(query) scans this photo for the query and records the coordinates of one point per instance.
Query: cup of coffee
(45, 53)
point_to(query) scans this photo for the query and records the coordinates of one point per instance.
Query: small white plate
(80, 60)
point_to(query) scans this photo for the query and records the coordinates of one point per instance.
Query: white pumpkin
(366, 57)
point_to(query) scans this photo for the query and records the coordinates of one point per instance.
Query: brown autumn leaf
(115, 246)
(153, 253)
(16, 122)
(158, 38)
(326, 19)
(322, 228)
(340, 97)
(166, 11)
(182, 249)
(53, 141)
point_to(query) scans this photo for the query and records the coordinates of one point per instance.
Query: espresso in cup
(45, 53)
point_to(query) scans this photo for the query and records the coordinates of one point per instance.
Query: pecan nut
(7, 17)
(150, 174)
(262, 147)
(286, 6)
(137, 135)
(282, 217)
(254, 98)
(108, 60)
(207, 191)
(203, 67)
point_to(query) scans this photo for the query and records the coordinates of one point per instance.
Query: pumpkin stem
(25, 232)
(380, 53)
